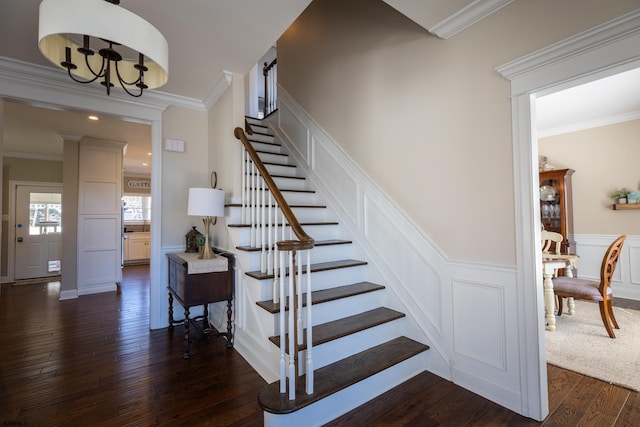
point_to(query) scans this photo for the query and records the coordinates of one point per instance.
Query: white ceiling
(602, 102)
(208, 37)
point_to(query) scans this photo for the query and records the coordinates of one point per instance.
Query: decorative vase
(622, 201)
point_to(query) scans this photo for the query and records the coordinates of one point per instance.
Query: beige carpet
(580, 343)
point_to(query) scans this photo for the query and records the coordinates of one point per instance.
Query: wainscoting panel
(343, 188)
(295, 131)
(477, 309)
(626, 279)
(465, 311)
(413, 270)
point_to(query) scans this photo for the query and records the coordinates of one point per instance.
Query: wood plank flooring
(93, 361)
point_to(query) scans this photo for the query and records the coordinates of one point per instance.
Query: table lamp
(209, 204)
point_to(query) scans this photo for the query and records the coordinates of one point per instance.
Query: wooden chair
(566, 287)
(548, 239)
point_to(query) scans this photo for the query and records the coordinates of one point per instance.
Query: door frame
(610, 48)
(11, 232)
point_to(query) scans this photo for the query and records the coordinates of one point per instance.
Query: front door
(38, 243)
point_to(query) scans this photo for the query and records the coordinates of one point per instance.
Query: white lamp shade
(60, 19)
(206, 202)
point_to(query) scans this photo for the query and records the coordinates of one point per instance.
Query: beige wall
(224, 148)
(605, 159)
(428, 119)
(180, 171)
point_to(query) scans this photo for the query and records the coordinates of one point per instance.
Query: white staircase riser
(318, 232)
(252, 260)
(296, 198)
(260, 137)
(330, 311)
(345, 400)
(292, 183)
(264, 146)
(320, 280)
(281, 170)
(332, 351)
(253, 121)
(274, 158)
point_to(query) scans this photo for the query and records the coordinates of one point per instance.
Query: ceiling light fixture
(68, 28)
(93, 118)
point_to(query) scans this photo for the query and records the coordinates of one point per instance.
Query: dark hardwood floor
(93, 361)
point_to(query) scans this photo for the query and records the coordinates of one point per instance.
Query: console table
(199, 282)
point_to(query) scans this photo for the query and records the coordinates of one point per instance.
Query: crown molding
(623, 29)
(464, 18)
(590, 124)
(47, 85)
(222, 83)
(32, 156)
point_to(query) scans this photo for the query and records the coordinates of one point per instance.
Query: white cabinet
(99, 201)
(136, 246)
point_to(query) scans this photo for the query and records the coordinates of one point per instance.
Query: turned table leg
(205, 318)
(229, 332)
(186, 354)
(170, 312)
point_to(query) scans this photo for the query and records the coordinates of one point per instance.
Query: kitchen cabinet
(136, 246)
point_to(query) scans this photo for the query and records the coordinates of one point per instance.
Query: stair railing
(266, 210)
(270, 73)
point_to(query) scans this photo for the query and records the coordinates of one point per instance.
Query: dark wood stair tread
(321, 266)
(326, 295)
(346, 326)
(316, 243)
(302, 223)
(337, 376)
(282, 190)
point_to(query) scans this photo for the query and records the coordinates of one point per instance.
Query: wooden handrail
(304, 240)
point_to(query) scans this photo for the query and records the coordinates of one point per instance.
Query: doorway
(37, 229)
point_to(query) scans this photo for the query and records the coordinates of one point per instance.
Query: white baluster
(309, 368)
(263, 229)
(276, 294)
(243, 211)
(254, 178)
(283, 362)
(299, 297)
(269, 239)
(292, 337)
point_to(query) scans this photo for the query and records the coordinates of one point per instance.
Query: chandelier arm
(101, 73)
(130, 93)
(123, 81)
(80, 81)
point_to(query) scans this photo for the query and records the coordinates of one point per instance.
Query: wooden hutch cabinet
(556, 205)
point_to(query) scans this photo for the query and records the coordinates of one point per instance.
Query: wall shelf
(618, 207)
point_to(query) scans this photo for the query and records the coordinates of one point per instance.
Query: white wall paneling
(440, 296)
(99, 216)
(626, 278)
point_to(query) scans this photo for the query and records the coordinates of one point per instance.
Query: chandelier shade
(97, 39)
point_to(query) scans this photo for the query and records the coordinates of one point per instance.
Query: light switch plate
(174, 145)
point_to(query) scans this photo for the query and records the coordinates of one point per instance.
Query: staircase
(359, 350)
